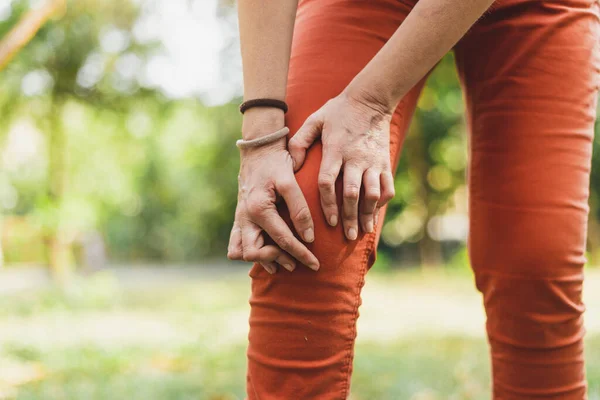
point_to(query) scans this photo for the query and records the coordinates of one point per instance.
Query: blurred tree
(73, 60)
(594, 218)
(431, 171)
(26, 28)
(88, 146)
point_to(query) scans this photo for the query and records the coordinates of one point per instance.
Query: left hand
(355, 132)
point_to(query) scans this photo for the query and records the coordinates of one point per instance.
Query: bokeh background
(117, 191)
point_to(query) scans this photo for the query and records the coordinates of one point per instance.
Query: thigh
(302, 324)
(530, 75)
(530, 71)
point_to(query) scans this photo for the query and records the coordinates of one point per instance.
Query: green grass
(431, 368)
(187, 342)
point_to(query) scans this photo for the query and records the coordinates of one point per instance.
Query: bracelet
(263, 103)
(263, 140)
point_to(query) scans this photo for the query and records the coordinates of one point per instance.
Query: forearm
(266, 29)
(427, 33)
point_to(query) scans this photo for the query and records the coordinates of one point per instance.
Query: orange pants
(530, 73)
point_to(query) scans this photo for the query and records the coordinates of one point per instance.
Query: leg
(530, 72)
(302, 324)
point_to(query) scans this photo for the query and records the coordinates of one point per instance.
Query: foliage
(89, 146)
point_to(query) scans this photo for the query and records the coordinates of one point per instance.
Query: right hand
(354, 129)
(265, 173)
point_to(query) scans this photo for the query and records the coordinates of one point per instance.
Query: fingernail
(309, 235)
(370, 226)
(352, 233)
(270, 269)
(333, 220)
(314, 267)
(289, 267)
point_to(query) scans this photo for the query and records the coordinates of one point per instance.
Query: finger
(269, 266)
(352, 183)
(252, 240)
(273, 254)
(304, 138)
(376, 215)
(268, 256)
(281, 234)
(328, 174)
(299, 211)
(372, 192)
(387, 188)
(234, 249)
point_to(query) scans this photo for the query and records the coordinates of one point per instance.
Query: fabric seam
(352, 327)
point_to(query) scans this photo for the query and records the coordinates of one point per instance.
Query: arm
(425, 36)
(266, 50)
(354, 126)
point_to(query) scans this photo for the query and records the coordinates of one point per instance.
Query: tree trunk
(430, 251)
(59, 246)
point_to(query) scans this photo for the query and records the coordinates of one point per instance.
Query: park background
(117, 191)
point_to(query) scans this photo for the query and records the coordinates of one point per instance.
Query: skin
(354, 128)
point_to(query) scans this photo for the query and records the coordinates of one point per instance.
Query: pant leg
(303, 324)
(530, 74)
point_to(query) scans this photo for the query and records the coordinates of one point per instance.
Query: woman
(530, 73)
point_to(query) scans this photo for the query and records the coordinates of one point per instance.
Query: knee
(330, 247)
(529, 268)
(529, 245)
(530, 312)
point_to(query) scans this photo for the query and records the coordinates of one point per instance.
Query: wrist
(378, 98)
(264, 150)
(261, 121)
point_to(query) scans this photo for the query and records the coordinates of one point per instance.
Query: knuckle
(350, 222)
(331, 148)
(372, 194)
(352, 192)
(250, 255)
(350, 217)
(350, 214)
(257, 207)
(303, 215)
(331, 211)
(284, 242)
(389, 195)
(285, 185)
(325, 181)
(329, 202)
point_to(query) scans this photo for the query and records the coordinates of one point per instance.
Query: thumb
(303, 139)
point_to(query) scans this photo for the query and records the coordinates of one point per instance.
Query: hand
(265, 173)
(355, 133)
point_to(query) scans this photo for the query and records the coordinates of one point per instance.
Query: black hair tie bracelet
(263, 103)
